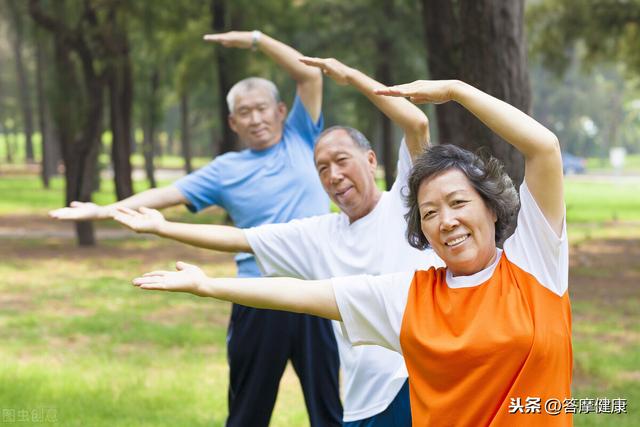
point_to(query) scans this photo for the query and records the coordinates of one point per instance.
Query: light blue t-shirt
(274, 185)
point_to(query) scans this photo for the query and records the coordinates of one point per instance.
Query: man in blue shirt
(273, 180)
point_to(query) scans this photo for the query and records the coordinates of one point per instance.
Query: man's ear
(372, 160)
(232, 122)
(282, 110)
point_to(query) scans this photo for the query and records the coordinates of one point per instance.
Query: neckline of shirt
(456, 282)
(365, 219)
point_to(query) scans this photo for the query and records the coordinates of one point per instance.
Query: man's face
(347, 174)
(257, 118)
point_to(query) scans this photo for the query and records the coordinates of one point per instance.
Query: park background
(103, 98)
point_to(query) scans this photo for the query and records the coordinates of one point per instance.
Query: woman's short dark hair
(484, 172)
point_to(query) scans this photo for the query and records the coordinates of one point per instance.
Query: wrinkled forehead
(254, 96)
(334, 143)
(443, 185)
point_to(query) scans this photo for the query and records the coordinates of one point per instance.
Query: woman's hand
(189, 278)
(422, 91)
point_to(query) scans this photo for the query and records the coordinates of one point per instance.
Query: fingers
(181, 265)
(314, 62)
(393, 91)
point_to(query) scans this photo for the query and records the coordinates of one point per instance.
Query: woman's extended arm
(540, 147)
(314, 297)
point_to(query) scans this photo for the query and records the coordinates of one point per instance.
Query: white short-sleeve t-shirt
(328, 246)
(372, 308)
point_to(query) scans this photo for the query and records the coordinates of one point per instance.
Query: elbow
(420, 130)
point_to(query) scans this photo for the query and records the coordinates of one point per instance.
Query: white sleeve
(403, 168)
(284, 249)
(372, 307)
(536, 248)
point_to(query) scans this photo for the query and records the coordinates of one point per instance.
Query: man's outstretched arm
(217, 237)
(157, 198)
(308, 79)
(410, 118)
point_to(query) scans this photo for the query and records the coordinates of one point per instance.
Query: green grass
(599, 201)
(78, 339)
(631, 164)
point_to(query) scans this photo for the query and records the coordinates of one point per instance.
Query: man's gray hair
(356, 136)
(246, 85)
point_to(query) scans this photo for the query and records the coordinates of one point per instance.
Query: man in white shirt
(367, 236)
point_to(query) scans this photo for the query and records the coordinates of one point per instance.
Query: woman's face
(457, 223)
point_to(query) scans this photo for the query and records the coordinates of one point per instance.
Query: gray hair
(246, 85)
(356, 136)
(485, 173)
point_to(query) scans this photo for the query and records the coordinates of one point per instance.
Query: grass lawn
(83, 347)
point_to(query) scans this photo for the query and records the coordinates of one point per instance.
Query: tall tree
(22, 75)
(77, 104)
(49, 145)
(482, 43)
(113, 41)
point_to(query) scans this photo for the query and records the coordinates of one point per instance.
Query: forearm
(155, 198)
(217, 237)
(287, 58)
(403, 113)
(514, 126)
(313, 297)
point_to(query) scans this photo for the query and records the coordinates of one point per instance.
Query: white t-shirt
(328, 246)
(372, 308)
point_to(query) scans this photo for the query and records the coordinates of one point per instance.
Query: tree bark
(226, 65)
(482, 43)
(120, 83)
(50, 151)
(149, 140)
(383, 73)
(23, 83)
(184, 137)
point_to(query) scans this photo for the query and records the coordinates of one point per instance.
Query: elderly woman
(486, 340)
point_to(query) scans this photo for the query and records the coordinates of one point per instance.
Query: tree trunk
(227, 64)
(184, 137)
(76, 106)
(50, 152)
(120, 82)
(148, 142)
(487, 50)
(384, 48)
(23, 84)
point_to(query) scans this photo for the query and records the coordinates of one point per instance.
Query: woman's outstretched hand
(422, 91)
(188, 278)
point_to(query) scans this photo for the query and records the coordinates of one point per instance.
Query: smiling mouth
(457, 241)
(342, 193)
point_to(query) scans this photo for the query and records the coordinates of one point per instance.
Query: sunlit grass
(78, 338)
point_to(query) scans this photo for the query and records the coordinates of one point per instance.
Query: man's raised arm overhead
(308, 79)
(410, 118)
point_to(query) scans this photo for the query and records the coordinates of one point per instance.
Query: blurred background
(103, 98)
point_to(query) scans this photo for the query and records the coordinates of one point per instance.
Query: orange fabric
(469, 350)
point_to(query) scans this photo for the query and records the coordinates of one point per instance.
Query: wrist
(106, 212)
(256, 36)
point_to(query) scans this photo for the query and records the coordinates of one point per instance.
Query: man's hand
(80, 211)
(144, 220)
(238, 39)
(331, 67)
(422, 91)
(189, 278)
